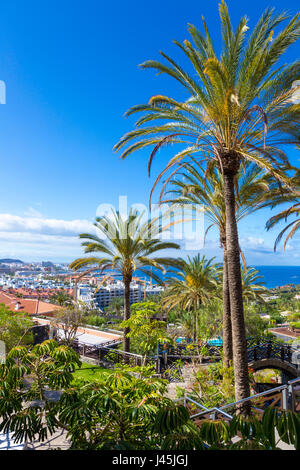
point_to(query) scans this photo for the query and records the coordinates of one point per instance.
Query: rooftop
(30, 306)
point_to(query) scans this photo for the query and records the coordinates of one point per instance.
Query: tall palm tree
(197, 187)
(239, 107)
(196, 285)
(127, 248)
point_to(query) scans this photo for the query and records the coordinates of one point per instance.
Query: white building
(105, 294)
(85, 294)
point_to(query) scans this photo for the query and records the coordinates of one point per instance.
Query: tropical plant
(213, 385)
(255, 325)
(254, 434)
(185, 321)
(116, 306)
(289, 194)
(26, 407)
(209, 323)
(61, 298)
(196, 285)
(252, 285)
(146, 329)
(129, 246)
(123, 409)
(239, 107)
(202, 188)
(15, 328)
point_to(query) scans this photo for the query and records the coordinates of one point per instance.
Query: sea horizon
(277, 276)
(273, 276)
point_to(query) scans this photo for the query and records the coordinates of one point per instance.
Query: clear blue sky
(71, 71)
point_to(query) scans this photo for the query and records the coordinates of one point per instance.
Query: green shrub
(95, 320)
(295, 324)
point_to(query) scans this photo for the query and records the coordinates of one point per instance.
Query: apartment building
(105, 294)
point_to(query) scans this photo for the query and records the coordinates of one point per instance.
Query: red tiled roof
(285, 332)
(31, 293)
(30, 306)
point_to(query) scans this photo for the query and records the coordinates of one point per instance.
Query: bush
(295, 324)
(95, 320)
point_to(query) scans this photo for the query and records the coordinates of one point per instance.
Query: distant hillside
(10, 260)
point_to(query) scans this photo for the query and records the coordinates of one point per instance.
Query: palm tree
(61, 298)
(206, 189)
(239, 107)
(116, 306)
(196, 285)
(127, 248)
(252, 284)
(290, 194)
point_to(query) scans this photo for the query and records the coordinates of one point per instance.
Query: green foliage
(146, 329)
(68, 320)
(255, 325)
(276, 318)
(15, 328)
(268, 376)
(122, 409)
(129, 245)
(95, 320)
(61, 298)
(294, 317)
(196, 284)
(214, 385)
(252, 285)
(207, 321)
(115, 307)
(253, 433)
(25, 381)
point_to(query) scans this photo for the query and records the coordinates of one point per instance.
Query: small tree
(15, 328)
(145, 328)
(67, 321)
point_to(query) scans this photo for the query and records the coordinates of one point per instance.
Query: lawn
(89, 372)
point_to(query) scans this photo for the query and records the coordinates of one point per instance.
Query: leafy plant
(123, 409)
(145, 327)
(15, 328)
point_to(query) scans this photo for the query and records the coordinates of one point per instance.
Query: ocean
(276, 276)
(273, 276)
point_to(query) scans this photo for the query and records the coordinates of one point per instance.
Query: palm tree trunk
(227, 327)
(126, 340)
(242, 389)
